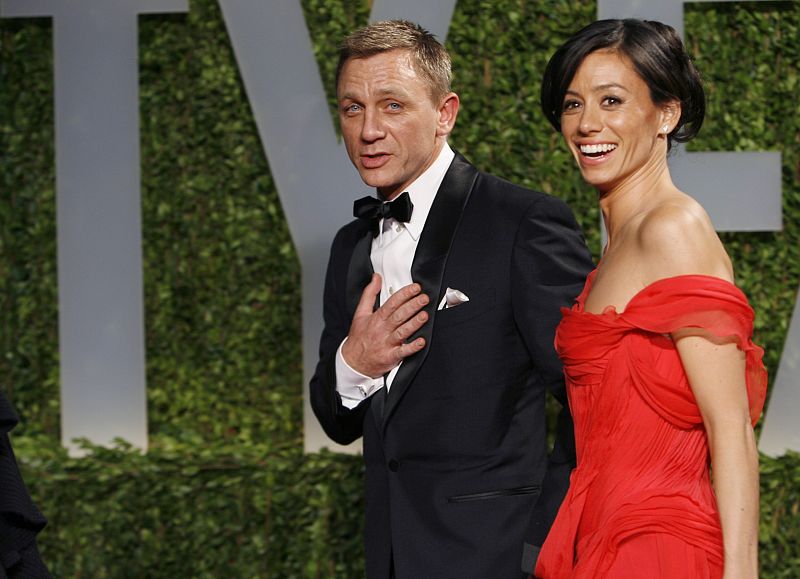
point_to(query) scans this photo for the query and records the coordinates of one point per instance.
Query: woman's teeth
(595, 149)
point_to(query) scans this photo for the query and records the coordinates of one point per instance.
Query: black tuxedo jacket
(458, 477)
(20, 520)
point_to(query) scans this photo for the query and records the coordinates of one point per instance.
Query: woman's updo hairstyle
(657, 54)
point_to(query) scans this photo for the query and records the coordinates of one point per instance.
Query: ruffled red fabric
(642, 450)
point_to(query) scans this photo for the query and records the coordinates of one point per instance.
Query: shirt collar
(423, 190)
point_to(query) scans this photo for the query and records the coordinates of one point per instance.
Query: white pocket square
(452, 297)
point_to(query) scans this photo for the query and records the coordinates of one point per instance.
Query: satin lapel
(358, 272)
(358, 276)
(430, 259)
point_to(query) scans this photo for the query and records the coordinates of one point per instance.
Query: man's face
(392, 128)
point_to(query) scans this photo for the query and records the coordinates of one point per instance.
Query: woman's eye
(570, 105)
(612, 100)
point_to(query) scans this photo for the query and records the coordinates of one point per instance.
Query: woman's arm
(716, 373)
(680, 239)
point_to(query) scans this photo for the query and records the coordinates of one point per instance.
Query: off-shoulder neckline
(612, 310)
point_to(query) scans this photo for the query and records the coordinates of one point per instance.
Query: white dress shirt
(392, 254)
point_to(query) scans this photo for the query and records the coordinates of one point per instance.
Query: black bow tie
(374, 210)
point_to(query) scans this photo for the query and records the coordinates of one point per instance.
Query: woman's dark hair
(657, 54)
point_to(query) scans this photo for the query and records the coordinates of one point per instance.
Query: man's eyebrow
(391, 91)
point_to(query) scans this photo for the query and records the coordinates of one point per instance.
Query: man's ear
(448, 111)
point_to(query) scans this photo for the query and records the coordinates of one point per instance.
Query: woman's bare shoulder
(677, 237)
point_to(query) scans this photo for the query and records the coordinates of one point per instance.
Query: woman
(660, 366)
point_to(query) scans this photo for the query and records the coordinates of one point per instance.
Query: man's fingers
(405, 350)
(367, 302)
(408, 309)
(406, 330)
(398, 298)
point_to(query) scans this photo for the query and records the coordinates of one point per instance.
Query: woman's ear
(670, 115)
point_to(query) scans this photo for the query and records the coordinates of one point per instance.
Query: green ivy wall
(225, 490)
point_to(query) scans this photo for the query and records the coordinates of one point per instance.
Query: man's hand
(377, 340)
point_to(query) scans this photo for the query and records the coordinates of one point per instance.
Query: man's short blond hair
(430, 59)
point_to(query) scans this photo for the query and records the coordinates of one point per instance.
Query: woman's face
(614, 130)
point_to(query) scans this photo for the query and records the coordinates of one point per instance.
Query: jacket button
(393, 465)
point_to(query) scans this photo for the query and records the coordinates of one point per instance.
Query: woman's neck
(633, 196)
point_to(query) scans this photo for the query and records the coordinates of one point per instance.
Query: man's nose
(372, 129)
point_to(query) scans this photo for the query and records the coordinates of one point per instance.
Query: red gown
(640, 502)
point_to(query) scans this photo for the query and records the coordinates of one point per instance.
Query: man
(440, 311)
(20, 520)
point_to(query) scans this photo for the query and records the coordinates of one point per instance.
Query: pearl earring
(665, 129)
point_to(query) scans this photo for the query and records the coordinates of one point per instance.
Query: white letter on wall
(101, 317)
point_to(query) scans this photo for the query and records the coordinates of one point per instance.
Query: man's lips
(374, 161)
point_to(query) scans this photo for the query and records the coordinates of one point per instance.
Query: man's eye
(351, 108)
(394, 106)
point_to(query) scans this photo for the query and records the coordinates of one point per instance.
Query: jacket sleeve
(550, 265)
(20, 520)
(341, 424)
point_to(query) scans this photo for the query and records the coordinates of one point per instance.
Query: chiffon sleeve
(715, 308)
